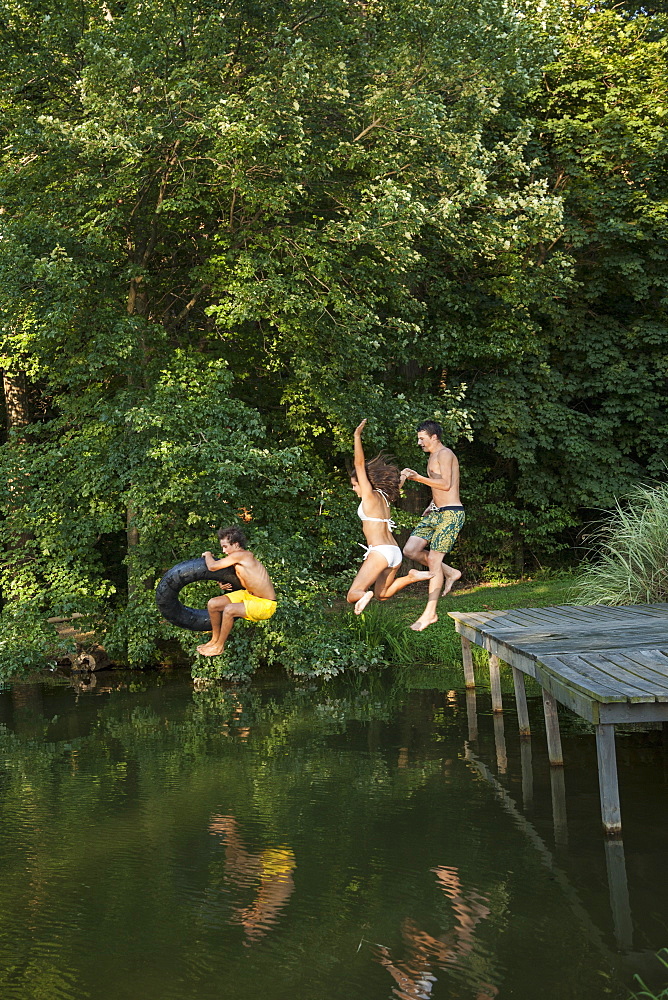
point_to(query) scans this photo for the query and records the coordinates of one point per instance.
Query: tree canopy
(227, 234)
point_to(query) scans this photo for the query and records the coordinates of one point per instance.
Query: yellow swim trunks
(258, 609)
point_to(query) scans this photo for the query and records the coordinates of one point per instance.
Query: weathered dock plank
(570, 670)
(591, 678)
(620, 668)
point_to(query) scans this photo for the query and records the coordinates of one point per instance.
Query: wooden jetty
(607, 664)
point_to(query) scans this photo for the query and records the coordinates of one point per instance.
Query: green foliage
(227, 236)
(567, 417)
(630, 552)
(301, 636)
(211, 267)
(27, 641)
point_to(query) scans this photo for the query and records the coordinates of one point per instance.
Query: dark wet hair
(383, 475)
(431, 427)
(233, 535)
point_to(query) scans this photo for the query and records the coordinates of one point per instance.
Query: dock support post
(467, 658)
(552, 729)
(608, 783)
(495, 683)
(521, 702)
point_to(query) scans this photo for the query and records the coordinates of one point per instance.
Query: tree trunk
(17, 401)
(17, 417)
(132, 536)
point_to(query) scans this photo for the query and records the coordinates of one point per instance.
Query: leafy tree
(228, 235)
(153, 156)
(572, 414)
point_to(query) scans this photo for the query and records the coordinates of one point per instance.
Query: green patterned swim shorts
(440, 526)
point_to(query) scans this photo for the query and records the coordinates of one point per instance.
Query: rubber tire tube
(179, 576)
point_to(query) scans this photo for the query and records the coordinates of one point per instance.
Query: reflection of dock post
(500, 744)
(607, 779)
(471, 714)
(559, 820)
(527, 773)
(552, 729)
(619, 892)
(467, 659)
(495, 683)
(521, 702)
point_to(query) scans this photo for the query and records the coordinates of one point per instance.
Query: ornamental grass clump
(630, 564)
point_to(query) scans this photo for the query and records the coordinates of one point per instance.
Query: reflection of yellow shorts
(258, 609)
(277, 861)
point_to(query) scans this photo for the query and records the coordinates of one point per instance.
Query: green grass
(439, 646)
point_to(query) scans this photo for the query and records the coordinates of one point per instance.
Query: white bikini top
(384, 520)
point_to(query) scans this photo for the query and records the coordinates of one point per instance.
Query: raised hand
(360, 427)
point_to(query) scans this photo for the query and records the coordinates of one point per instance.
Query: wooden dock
(607, 664)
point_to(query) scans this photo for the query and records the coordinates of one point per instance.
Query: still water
(364, 841)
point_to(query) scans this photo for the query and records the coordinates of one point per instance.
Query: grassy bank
(310, 644)
(434, 656)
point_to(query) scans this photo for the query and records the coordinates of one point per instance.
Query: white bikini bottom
(391, 553)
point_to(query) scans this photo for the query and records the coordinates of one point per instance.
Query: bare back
(443, 465)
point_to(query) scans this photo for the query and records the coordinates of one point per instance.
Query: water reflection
(269, 871)
(526, 766)
(500, 744)
(171, 821)
(425, 955)
(620, 903)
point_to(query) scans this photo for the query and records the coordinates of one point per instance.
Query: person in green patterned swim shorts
(440, 527)
(441, 522)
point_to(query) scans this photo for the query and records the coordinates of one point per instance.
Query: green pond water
(360, 841)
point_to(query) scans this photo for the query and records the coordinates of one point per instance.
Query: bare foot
(203, 648)
(420, 574)
(210, 650)
(450, 578)
(422, 623)
(363, 601)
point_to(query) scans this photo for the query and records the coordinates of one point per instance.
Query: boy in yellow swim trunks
(257, 601)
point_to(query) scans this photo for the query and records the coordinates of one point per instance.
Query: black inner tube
(179, 576)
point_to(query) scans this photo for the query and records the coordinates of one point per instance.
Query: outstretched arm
(360, 467)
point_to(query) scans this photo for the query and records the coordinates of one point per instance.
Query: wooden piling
(608, 784)
(495, 683)
(521, 702)
(552, 729)
(467, 659)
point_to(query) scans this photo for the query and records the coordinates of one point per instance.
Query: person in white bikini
(377, 483)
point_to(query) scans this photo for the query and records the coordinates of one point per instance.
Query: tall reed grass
(386, 629)
(630, 549)
(383, 632)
